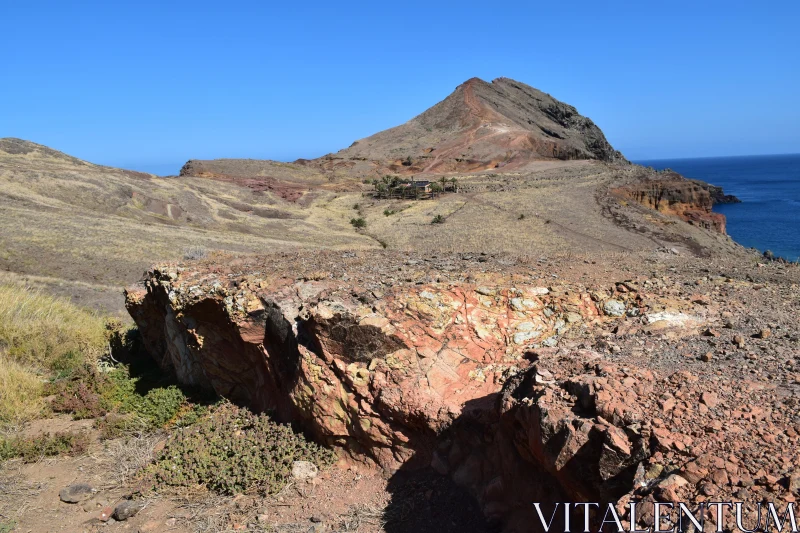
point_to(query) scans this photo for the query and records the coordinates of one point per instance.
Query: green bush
(233, 451)
(438, 219)
(358, 222)
(89, 393)
(32, 449)
(388, 212)
(157, 406)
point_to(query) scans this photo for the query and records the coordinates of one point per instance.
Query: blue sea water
(768, 186)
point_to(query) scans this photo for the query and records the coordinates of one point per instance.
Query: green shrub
(157, 406)
(89, 393)
(233, 451)
(358, 222)
(388, 212)
(438, 219)
(32, 449)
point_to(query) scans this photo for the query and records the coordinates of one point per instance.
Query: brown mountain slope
(86, 230)
(480, 126)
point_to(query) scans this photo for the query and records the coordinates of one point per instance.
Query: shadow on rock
(424, 500)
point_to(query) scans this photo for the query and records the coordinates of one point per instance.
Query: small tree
(443, 180)
(358, 223)
(454, 182)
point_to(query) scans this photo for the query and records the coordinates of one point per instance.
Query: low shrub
(80, 394)
(115, 425)
(388, 212)
(89, 393)
(358, 223)
(194, 253)
(233, 451)
(32, 449)
(155, 403)
(438, 219)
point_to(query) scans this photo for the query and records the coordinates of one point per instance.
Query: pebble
(304, 470)
(614, 308)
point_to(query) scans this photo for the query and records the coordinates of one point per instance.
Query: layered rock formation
(673, 194)
(493, 377)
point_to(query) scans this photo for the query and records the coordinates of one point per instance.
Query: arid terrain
(552, 323)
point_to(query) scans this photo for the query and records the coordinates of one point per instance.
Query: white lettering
(538, 507)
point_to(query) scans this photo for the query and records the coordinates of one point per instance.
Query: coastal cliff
(689, 200)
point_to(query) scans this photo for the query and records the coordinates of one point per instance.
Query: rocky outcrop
(689, 200)
(718, 195)
(378, 375)
(497, 380)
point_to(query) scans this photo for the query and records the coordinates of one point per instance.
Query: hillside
(534, 178)
(86, 230)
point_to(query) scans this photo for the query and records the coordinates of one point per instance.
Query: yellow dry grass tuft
(20, 393)
(45, 332)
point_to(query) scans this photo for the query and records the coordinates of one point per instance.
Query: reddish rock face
(677, 196)
(488, 381)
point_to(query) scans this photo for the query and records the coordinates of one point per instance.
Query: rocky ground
(650, 376)
(549, 330)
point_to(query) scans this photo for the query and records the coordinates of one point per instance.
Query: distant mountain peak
(483, 125)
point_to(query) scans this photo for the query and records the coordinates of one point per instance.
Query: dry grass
(20, 393)
(40, 334)
(45, 332)
(127, 456)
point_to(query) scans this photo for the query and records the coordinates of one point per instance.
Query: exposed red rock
(676, 195)
(519, 389)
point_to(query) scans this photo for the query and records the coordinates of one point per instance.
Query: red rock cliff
(686, 199)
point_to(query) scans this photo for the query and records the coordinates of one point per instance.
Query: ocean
(768, 186)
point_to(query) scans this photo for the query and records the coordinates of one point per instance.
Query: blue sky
(148, 85)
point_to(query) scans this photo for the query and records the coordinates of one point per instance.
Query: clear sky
(150, 84)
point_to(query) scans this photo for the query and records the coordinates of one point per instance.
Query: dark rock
(76, 493)
(126, 509)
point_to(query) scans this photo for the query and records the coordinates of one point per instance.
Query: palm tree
(444, 181)
(454, 181)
